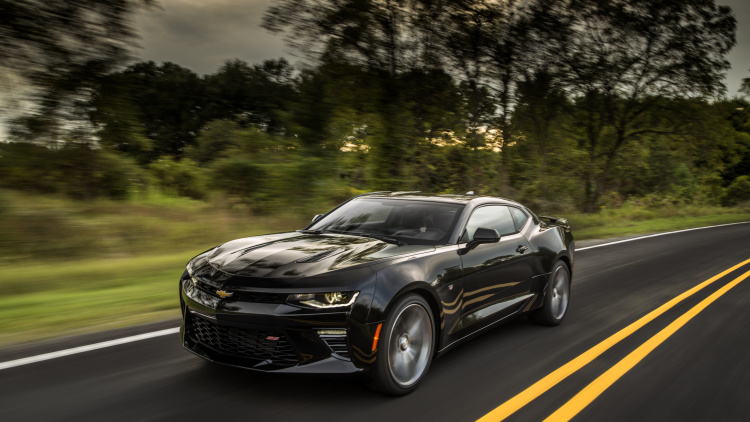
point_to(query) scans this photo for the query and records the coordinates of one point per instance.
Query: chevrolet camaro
(378, 286)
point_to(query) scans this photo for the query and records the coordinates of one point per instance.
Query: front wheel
(405, 347)
(556, 297)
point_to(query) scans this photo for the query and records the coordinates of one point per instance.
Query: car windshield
(397, 220)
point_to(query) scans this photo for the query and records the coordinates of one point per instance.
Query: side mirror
(483, 235)
(317, 217)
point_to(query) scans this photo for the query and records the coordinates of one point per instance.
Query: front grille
(257, 297)
(337, 344)
(260, 345)
(260, 297)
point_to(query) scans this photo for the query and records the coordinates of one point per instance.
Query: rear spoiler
(554, 220)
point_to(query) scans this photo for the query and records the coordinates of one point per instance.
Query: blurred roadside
(69, 268)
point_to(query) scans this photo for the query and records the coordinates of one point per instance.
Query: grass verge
(49, 300)
(630, 222)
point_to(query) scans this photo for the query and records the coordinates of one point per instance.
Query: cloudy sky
(202, 34)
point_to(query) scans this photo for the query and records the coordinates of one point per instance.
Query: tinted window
(533, 216)
(491, 217)
(519, 216)
(412, 222)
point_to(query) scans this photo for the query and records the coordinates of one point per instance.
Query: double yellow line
(593, 390)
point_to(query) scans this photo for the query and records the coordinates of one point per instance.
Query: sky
(202, 34)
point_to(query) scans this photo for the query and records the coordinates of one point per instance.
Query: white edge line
(658, 234)
(131, 339)
(87, 348)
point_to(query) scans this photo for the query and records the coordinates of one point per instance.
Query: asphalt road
(701, 372)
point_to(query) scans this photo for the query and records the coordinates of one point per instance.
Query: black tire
(405, 347)
(556, 297)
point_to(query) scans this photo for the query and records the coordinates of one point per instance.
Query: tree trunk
(504, 184)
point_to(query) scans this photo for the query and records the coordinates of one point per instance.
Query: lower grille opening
(257, 345)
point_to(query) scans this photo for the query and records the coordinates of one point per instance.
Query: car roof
(456, 199)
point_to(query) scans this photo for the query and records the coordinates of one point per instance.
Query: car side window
(519, 216)
(534, 217)
(496, 217)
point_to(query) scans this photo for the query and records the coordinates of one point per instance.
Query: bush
(183, 177)
(77, 170)
(89, 174)
(239, 177)
(737, 192)
(29, 167)
(214, 140)
(710, 191)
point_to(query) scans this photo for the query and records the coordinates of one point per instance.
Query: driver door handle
(521, 249)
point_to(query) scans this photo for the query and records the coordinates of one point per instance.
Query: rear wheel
(405, 347)
(556, 297)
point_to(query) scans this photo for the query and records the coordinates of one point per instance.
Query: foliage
(738, 192)
(239, 176)
(61, 48)
(250, 95)
(620, 65)
(215, 141)
(76, 169)
(57, 228)
(562, 104)
(181, 177)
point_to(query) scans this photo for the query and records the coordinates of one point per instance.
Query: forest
(564, 105)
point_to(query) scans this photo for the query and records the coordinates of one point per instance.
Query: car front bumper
(275, 336)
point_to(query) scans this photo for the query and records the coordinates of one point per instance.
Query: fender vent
(252, 248)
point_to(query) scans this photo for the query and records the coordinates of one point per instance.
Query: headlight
(323, 300)
(188, 285)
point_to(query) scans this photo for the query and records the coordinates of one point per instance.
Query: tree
(376, 36)
(541, 111)
(620, 58)
(464, 33)
(214, 141)
(61, 48)
(251, 95)
(163, 103)
(117, 118)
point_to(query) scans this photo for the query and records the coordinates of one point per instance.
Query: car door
(497, 276)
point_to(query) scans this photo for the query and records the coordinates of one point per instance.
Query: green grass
(58, 229)
(72, 268)
(41, 301)
(630, 221)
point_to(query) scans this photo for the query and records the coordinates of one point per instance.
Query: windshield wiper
(379, 237)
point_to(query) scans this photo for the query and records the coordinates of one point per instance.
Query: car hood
(301, 255)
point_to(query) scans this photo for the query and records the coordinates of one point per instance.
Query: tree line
(562, 104)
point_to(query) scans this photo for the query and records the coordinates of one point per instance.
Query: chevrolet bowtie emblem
(224, 294)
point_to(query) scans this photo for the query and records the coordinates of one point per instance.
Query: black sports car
(379, 286)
